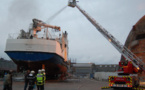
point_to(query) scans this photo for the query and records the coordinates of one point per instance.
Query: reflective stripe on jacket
(44, 75)
(40, 79)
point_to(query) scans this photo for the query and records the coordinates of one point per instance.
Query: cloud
(141, 6)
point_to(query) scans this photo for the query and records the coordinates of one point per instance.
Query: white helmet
(39, 71)
(43, 70)
(32, 72)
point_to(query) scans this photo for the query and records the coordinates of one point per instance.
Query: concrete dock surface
(70, 84)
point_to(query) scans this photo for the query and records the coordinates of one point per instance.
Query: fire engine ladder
(120, 47)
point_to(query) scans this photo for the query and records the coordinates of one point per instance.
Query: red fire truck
(127, 76)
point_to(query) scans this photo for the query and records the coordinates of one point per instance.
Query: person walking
(8, 81)
(31, 80)
(26, 81)
(40, 80)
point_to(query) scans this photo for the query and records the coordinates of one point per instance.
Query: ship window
(141, 36)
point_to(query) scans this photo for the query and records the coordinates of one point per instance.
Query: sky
(86, 44)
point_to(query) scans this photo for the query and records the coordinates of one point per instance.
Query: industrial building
(106, 67)
(83, 69)
(88, 69)
(6, 65)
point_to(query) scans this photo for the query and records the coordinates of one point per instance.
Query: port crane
(134, 63)
(38, 25)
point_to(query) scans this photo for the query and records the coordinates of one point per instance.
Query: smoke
(18, 15)
(21, 13)
(23, 9)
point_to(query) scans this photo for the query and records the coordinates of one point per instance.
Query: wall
(106, 68)
(103, 75)
(7, 65)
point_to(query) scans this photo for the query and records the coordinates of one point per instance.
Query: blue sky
(86, 44)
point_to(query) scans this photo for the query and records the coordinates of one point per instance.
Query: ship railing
(43, 36)
(39, 36)
(13, 36)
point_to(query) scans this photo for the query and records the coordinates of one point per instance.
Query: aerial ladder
(135, 64)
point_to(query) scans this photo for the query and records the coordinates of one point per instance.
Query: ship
(34, 50)
(135, 41)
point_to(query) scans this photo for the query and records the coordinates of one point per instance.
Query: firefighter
(26, 81)
(44, 75)
(40, 80)
(8, 81)
(31, 78)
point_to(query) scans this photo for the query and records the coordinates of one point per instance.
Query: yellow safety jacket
(44, 75)
(40, 79)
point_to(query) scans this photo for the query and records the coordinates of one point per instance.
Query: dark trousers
(30, 88)
(26, 84)
(40, 87)
(7, 87)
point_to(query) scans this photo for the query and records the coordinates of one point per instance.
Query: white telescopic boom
(120, 47)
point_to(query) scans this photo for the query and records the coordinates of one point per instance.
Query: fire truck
(128, 73)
